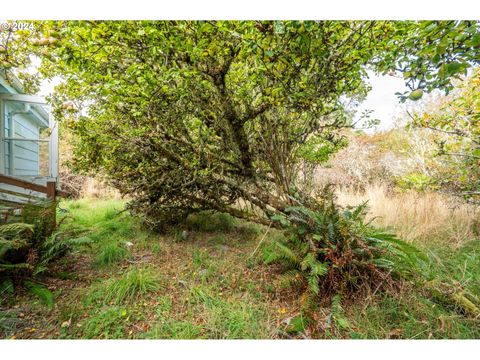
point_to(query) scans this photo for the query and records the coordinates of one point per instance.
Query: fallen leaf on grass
(66, 324)
(395, 334)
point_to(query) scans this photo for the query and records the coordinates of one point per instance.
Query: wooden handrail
(31, 186)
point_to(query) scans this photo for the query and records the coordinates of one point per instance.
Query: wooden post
(51, 190)
(51, 195)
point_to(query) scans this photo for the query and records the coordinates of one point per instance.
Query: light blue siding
(29, 150)
(7, 148)
(21, 157)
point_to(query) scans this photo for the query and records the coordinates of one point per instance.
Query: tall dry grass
(418, 217)
(96, 189)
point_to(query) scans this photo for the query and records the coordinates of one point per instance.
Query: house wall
(25, 158)
(31, 161)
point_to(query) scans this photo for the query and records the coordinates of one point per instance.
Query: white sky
(46, 87)
(382, 100)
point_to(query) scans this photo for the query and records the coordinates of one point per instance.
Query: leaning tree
(184, 116)
(187, 116)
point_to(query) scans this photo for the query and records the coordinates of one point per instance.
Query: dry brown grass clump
(96, 189)
(81, 186)
(417, 216)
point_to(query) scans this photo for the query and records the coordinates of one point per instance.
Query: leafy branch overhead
(214, 112)
(456, 126)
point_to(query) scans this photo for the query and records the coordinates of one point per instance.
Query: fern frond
(338, 314)
(5, 245)
(291, 278)
(316, 267)
(15, 229)
(307, 261)
(41, 292)
(18, 266)
(319, 268)
(282, 254)
(313, 283)
(58, 243)
(80, 241)
(308, 302)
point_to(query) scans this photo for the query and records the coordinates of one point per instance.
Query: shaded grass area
(409, 316)
(206, 279)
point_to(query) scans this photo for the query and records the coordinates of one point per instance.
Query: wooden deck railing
(50, 189)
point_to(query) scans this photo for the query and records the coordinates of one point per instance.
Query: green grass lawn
(206, 280)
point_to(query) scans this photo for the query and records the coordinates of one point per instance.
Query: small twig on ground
(260, 242)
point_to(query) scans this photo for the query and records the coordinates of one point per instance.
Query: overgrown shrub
(329, 250)
(417, 181)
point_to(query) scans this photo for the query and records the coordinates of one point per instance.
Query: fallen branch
(260, 242)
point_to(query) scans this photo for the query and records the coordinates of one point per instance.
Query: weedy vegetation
(248, 281)
(221, 136)
(29, 246)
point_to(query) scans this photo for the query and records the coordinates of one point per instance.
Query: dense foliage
(431, 53)
(214, 112)
(328, 250)
(187, 116)
(456, 122)
(198, 115)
